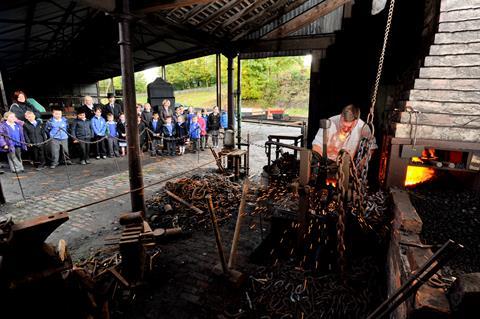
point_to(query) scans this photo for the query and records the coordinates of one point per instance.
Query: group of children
(106, 133)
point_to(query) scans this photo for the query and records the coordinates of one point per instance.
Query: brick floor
(86, 227)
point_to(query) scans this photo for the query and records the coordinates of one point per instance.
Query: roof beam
(54, 37)
(196, 10)
(172, 4)
(286, 44)
(28, 28)
(218, 13)
(274, 12)
(252, 6)
(305, 18)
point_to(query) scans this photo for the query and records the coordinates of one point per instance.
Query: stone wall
(447, 92)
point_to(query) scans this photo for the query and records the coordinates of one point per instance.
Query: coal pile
(165, 212)
(450, 212)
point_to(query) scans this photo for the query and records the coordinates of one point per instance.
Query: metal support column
(164, 72)
(3, 93)
(239, 102)
(128, 83)
(219, 81)
(230, 94)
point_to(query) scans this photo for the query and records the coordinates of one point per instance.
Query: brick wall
(447, 92)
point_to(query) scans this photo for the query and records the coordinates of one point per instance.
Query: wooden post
(216, 232)
(219, 81)
(236, 234)
(305, 161)
(230, 95)
(314, 98)
(128, 83)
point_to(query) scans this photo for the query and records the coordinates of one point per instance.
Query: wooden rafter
(68, 11)
(272, 12)
(305, 18)
(196, 10)
(286, 44)
(28, 28)
(218, 13)
(172, 4)
(243, 12)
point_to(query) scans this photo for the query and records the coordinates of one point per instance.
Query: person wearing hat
(345, 132)
(112, 107)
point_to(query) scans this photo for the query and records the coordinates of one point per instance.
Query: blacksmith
(345, 132)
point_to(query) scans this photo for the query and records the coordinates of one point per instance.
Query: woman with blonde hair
(12, 141)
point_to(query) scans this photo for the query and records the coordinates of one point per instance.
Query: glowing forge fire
(417, 175)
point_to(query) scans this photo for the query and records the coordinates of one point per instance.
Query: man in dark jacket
(88, 107)
(82, 135)
(34, 134)
(213, 125)
(112, 107)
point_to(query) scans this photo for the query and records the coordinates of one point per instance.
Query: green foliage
(266, 83)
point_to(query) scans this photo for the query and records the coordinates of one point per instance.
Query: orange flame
(331, 181)
(417, 175)
(416, 160)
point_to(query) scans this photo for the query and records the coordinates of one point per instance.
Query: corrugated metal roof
(159, 38)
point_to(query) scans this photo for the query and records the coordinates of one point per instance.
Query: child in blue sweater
(56, 128)
(194, 133)
(99, 127)
(112, 135)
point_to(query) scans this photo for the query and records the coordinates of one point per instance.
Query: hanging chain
(341, 214)
(364, 153)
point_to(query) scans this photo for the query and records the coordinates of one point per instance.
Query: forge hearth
(442, 111)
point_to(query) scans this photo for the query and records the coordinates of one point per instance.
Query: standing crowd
(164, 132)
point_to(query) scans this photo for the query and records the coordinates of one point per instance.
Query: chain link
(341, 213)
(364, 153)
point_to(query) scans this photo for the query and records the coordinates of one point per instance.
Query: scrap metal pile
(182, 203)
(286, 291)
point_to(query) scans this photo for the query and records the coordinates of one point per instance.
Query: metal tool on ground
(218, 160)
(431, 266)
(231, 275)
(184, 202)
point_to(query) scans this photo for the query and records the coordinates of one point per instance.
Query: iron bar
(421, 276)
(230, 95)
(239, 102)
(128, 86)
(219, 80)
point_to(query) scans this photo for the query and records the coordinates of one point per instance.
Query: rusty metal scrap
(186, 198)
(285, 291)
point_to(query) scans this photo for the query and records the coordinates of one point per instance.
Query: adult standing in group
(165, 111)
(213, 125)
(88, 107)
(112, 107)
(20, 106)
